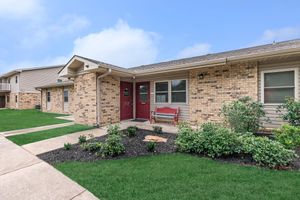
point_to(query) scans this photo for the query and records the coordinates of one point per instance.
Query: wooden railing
(4, 87)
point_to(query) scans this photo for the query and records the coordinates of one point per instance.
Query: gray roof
(29, 69)
(57, 84)
(273, 47)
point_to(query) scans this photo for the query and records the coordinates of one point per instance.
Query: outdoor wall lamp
(200, 76)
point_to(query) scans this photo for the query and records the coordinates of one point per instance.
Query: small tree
(290, 111)
(243, 115)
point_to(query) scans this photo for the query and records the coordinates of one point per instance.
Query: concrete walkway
(58, 142)
(24, 176)
(35, 129)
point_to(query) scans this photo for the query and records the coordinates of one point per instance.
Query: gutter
(98, 95)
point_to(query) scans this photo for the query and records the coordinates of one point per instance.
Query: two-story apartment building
(17, 87)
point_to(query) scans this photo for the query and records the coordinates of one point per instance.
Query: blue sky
(134, 32)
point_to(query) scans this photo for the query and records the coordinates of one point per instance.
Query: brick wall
(28, 100)
(85, 99)
(109, 100)
(219, 85)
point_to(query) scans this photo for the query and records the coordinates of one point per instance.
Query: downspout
(98, 95)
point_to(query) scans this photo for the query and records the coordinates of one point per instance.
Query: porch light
(200, 76)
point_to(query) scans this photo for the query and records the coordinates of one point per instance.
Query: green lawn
(43, 135)
(180, 176)
(20, 119)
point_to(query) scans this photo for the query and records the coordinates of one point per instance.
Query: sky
(129, 33)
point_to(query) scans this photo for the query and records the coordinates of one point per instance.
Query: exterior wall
(57, 100)
(29, 100)
(184, 114)
(220, 84)
(31, 79)
(85, 99)
(12, 103)
(14, 87)
(109, 100)
(274, 117)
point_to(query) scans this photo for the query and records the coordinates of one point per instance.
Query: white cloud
(20, 8)
(67, 24)
(195, 50)
(121, 45)
(281, 34)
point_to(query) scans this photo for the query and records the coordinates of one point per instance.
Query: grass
(43, 135)
(20, 119)
(180, 176)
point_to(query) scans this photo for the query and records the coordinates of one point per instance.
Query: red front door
(143, 100)
(126, 100)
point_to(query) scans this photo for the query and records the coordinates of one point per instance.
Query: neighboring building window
(173, 91)
(48, 96)
(162, 92)
(277, 85)
(66, 96)
(8, 80)
(178, 91)
(16, 99)
(16, 79)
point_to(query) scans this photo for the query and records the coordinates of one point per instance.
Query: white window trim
(262, 88)
(170, 92)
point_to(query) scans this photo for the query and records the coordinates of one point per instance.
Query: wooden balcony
(4, 87)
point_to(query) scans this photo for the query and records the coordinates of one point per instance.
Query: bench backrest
(167, 110)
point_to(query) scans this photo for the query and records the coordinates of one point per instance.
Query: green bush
(113, 130)
(243, 115)
(82, 139)
(131, 131)
(267, 152)
(112, 146)
(288, 135)
(290, 111)
(157, 129)
(211, 139)
(151, 146)
(214, 141)
(92, 146)
(67, 146)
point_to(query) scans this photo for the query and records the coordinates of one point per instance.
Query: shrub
(157, 129)
(92, 146)
(243, 115)
(288, 135)
(211, 139)
(112, 146)
(267, 152)
(291, 111)
(67, 146)
(82, 139)
(131, 131)
(113, 130)
(151, 146)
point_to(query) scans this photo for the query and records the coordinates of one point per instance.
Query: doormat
(139, 120)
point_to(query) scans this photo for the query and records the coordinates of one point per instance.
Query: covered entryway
(126, 100)
(2, 101)
(143, 100)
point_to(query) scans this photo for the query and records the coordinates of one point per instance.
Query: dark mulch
(134, 146)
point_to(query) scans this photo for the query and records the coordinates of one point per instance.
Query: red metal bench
(165, 113)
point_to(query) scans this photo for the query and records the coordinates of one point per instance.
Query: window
(66, 96)
(277, 85)
(162, 92)
(178, 91)
(126, 92)
(48, 96)
(16, 79)
(173, 91)
(7, 99)
(8, 80)
(16, 99)
(143, 92)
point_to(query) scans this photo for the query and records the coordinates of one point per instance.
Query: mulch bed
(134, 146)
